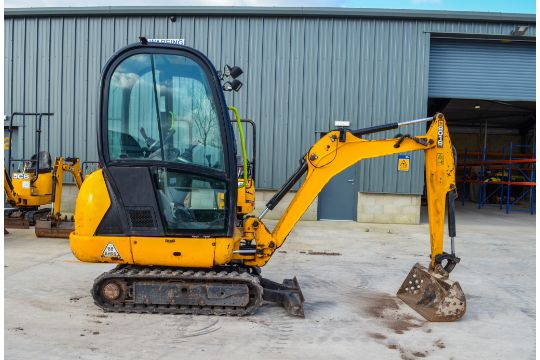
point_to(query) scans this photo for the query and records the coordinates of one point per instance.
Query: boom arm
(337, 151)
(71, 165)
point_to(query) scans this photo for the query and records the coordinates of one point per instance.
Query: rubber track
(133, 273)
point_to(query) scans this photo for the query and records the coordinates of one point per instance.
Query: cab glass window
(161, 108)
(191, 202)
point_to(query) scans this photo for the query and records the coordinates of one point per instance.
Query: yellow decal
(221, 200)
(403, 162)
(440, 159)
(6, 142)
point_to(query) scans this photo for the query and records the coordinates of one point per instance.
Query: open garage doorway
(495, 143)
(486, 90)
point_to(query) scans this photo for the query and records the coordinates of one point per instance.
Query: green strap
(242, 142)
(172, 119)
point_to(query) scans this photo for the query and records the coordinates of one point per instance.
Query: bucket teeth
(432, 295)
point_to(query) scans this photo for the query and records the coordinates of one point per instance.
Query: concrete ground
(351, 310)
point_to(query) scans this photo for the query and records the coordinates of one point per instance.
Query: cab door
(166, 144)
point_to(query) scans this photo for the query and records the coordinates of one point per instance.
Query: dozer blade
(16, 223)
(432, 295)
(62, 229)
(287, 294)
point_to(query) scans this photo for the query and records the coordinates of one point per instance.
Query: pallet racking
(516, 180)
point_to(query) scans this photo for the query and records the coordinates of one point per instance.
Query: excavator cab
(167, 145)
(40, 163)
(33, 181)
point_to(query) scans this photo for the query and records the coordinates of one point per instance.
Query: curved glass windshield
(161, 108)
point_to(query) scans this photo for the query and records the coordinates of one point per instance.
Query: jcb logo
(440, 134)
(21, 176)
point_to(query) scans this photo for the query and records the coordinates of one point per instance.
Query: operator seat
(43, 158)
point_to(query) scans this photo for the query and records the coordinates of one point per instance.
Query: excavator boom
(338, 150)
(56, 226)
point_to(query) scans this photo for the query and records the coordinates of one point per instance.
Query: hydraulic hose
(243, 144)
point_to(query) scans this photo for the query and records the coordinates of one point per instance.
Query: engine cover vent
(141, 218)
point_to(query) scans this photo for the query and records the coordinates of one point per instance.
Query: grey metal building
(304, 69)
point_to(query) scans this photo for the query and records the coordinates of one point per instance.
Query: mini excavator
(39, 182)
(172, 209)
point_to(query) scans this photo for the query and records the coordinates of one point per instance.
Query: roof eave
(269, 11)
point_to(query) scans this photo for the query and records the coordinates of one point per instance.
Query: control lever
(170, 133)
(149, 141)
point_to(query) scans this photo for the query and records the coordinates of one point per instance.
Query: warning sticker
(110, 251)
(26, 184)
(403, 162)
(440, 159)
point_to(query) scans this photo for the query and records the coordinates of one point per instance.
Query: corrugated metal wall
(301, 74)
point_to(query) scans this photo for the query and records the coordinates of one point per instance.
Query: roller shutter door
(488, 70)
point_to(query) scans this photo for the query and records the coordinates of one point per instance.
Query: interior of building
(495, 143)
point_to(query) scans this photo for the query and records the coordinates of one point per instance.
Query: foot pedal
(432, 295)
(287, 294)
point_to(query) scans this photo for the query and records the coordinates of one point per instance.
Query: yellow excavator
(38, 183)
(55, 225)
(172, 209)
